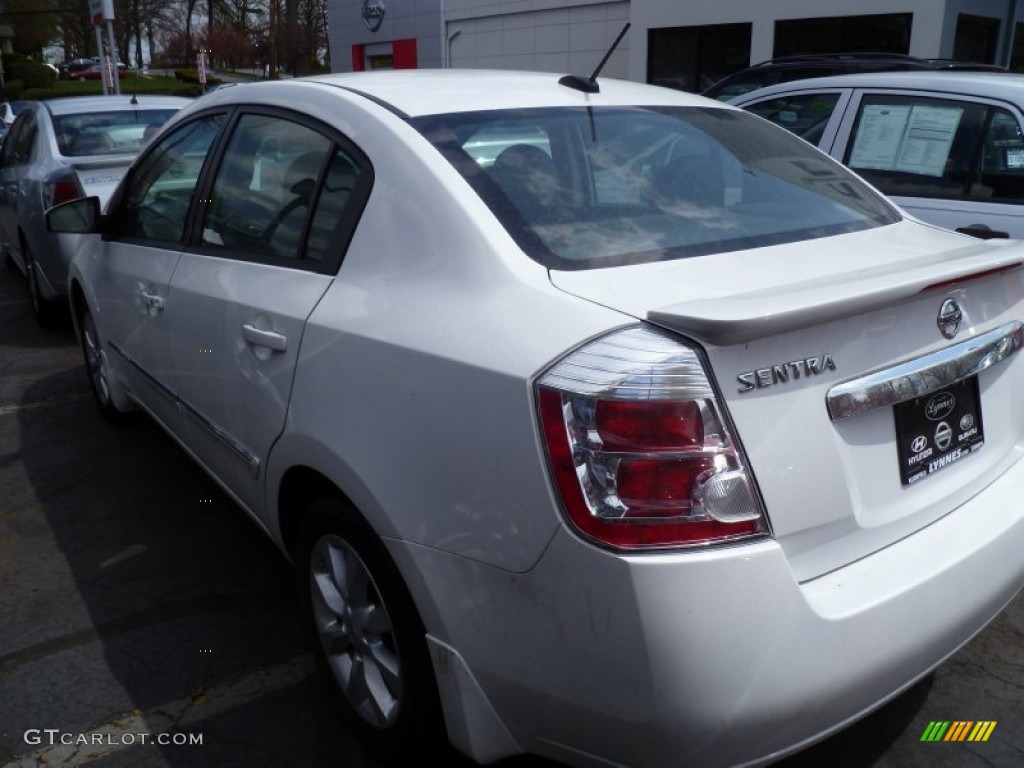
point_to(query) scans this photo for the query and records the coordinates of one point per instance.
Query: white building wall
(572, 35)
(925, 39)
(403, 19)
(562, 36)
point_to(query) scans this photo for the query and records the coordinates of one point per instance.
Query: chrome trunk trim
(923, 375)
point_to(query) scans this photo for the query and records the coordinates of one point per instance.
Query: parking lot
(137, 600)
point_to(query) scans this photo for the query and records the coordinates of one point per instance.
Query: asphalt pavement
(138, 603)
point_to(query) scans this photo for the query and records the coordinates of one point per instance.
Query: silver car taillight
(639, 448)
(61, 187)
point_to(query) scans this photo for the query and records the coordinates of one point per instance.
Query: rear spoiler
(750, 316)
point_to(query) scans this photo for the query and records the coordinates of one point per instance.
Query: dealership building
(682, 44)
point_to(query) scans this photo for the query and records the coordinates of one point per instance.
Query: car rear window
(582, 188)
(107, 133)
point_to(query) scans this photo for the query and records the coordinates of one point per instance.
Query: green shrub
(13, 89)
(31, 73)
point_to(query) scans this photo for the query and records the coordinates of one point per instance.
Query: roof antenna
(590, 85)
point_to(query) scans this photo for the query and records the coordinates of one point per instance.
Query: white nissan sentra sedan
(602, 422)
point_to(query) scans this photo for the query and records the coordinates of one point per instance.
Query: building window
(881, 33)
(693, 58)
(976, 38)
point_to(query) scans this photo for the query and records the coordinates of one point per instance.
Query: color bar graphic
(959, 730)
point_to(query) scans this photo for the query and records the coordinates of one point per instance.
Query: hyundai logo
(949, 318)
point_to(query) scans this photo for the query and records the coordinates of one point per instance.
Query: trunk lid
(99, 176)
(785, 350)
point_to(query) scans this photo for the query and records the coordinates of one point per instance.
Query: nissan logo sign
(373, 14)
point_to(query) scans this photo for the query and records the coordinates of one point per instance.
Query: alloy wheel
(356, 631)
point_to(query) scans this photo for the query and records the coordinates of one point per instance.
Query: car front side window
(155, 202)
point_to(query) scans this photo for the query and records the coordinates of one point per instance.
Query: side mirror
(79, 217)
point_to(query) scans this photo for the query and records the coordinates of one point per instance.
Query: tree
(35, 23)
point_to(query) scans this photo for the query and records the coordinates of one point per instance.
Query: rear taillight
(61, 189)
(639, 449)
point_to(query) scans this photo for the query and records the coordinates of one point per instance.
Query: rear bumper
(716, 658)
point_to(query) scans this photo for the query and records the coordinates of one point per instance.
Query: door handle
(153, 300)
(269, 339)
(982, 232)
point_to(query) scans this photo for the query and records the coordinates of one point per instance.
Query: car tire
(367, 635)
(46, 312)
(98, 370)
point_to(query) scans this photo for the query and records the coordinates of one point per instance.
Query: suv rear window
(583, 188)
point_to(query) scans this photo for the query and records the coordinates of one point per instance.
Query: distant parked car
(88, 69)
(95, 72)
(59, 150)
(789, 68)
(69, 69)
(947, 146)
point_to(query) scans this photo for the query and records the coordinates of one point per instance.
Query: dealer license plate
(938, 429)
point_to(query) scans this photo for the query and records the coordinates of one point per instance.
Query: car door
(135, 261)
(14, 159)
(270, 235)
(950, 160)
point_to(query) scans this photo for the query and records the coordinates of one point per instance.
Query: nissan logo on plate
(940, 406)
(949, 318)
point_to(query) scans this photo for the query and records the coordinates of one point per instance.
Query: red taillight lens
(629, 425)
(659, 488)
(638, 447)
(62, 190)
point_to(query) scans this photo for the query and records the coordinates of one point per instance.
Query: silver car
(57, 151)
(946, 146)
(601, 421)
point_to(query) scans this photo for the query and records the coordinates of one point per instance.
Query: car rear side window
(804, 114)
(918, 146)
(155, 201)
(265, 187)
(280, 193)
(18, 146)
(581, 188)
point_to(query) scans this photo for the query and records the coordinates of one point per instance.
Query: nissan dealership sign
(101, 10)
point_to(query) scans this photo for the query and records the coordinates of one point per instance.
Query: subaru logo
(949, 318)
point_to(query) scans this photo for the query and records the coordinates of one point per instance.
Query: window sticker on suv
(915, 139)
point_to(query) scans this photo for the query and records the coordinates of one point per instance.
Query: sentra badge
(782, 373)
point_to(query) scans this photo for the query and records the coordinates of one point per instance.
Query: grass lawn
(133, 82)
